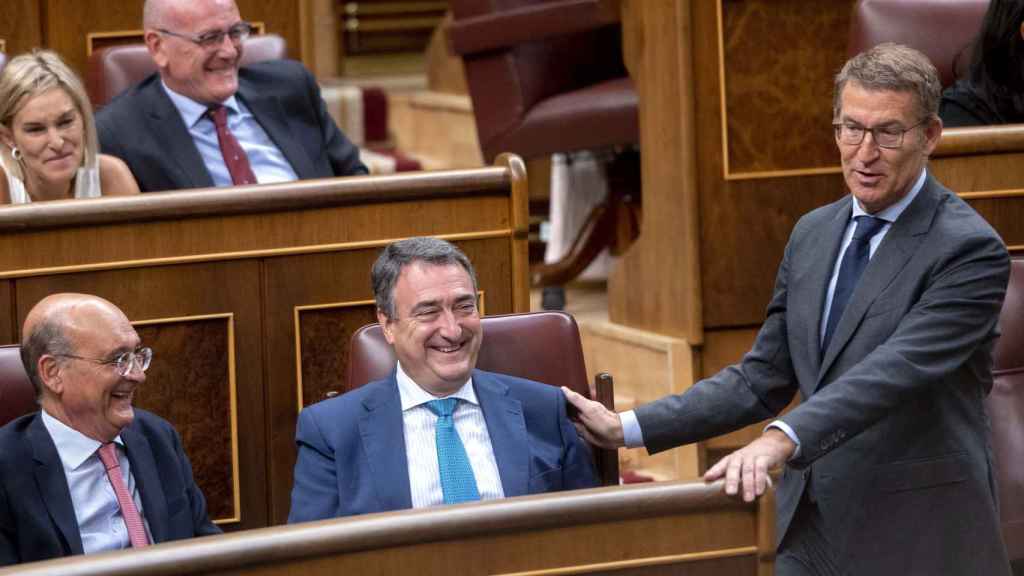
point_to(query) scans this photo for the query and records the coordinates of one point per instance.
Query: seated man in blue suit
(89, 473)
(437, 431)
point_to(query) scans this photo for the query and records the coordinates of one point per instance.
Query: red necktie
(132, 519)
(234, 156)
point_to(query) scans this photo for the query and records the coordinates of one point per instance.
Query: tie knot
(867, 227)
(444, 407)
(219, 115)
(108, 455)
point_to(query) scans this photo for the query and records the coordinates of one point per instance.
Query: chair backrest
(505, 84)
(540, 346)
(114, 69)
(17, 396)
(942, 29)
(1005, 406)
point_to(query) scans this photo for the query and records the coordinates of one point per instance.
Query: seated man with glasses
(88, 472)
(204, 121)
(437, 431)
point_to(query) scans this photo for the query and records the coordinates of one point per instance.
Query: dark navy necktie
(855, 260)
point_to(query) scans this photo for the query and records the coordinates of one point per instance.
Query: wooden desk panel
(215, 281)
(668, 528)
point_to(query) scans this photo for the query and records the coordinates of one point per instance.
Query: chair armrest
(509, 28)
(606, 461)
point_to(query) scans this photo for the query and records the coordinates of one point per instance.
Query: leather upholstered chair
(540, 346)
(17, 396)
(114, 69)
(941, 29)
(547, 76)
(1005, 405)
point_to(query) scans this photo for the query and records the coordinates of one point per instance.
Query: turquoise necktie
(457, 481)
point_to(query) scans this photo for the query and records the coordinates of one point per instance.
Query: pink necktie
(234, 156)
(132, 519)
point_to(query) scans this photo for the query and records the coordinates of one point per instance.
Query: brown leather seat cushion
(17, 397)
(942, 29)
(1005, 406)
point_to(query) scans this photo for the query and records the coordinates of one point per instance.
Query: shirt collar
(73, 447)
(413, 395)
(893, 212)
(192, 111)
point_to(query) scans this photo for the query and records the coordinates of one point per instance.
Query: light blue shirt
(632, 434)
(266, 159)
(100, 522)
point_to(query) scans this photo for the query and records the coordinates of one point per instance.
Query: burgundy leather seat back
(942, 29)
(17, 396)
(1006, 409)
(1005, 406)
(114, 69)
(541, 346)
(506, 84)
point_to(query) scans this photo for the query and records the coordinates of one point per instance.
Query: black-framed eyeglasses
(885, 136)
(124, 362)
(214, 38)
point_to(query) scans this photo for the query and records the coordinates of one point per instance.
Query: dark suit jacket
(352, 448)
(37, 518)
(893, 434)
(143, 128)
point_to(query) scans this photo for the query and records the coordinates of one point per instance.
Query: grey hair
(47, 337)
(893, 67)
(400, 254)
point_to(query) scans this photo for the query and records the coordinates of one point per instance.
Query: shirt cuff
(631, 433)
(779, 424)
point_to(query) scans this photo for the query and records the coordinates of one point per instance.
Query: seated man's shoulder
(354, 401)
(274, 70)
(521, 388)
(149, 424)
(127, 103)
(12, 434)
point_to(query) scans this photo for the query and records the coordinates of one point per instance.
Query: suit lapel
(507, 428)
(151, 489)
(271, 116)
(53, 486)
(815, 287)
(382, 433)
(900, 243)
(176, 141)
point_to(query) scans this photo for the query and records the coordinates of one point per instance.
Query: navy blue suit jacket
(142, 127)
(37, 518)
(352, 448)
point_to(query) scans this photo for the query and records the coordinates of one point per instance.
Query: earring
(15, 153)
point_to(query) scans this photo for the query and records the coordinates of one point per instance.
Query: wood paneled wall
(248, 297)
(65, 25)
(656, 529)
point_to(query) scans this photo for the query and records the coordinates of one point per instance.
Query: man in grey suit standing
(883, 318)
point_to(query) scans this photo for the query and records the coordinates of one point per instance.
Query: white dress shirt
(419, 424)
(633, 435)
(100, 522)
(266, 159)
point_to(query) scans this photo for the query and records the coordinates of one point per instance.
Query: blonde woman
(49, 149)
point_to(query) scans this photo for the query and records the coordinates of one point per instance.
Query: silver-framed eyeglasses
(890, 136)
(214, 38)
(124, 362)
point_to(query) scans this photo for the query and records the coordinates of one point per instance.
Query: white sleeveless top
(87, 183)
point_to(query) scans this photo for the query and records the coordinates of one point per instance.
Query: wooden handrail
(392, 529)
(980, 140)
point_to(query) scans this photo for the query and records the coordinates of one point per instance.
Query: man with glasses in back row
(88, 472)
(203, 121)
(883, 319)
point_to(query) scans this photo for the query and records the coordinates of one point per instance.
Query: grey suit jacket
(893, 434)
(143, 128)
